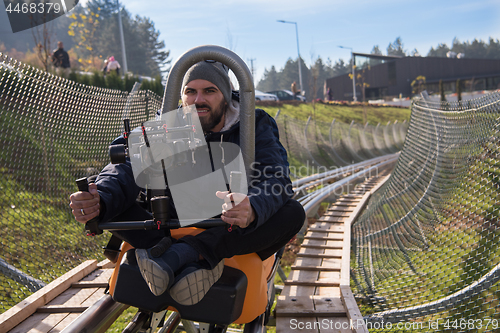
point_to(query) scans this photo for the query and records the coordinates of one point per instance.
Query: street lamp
(297, 34)
(354, 98)
(122, 40)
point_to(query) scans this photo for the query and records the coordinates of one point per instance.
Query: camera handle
(91, 226)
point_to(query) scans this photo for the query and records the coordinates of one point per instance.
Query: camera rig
(154, 149)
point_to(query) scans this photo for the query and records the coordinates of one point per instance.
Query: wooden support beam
(309, 306)
(333, 230)
(323, 255)
(352, 310)
(331, 237)
(316, 268)
(16, 314)
(317, 283)
(324, 247)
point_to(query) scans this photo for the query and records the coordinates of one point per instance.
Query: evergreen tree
(341, 67)
(329, 68)
(317, 79)
(493, 49)
(440, 51)
(476, 49)
(271, 80)
(289, 74)
(155, 59)
(375, 50)
(396, 48)
(146, 54)
(458, 47)
(415, 53)
(106, 8)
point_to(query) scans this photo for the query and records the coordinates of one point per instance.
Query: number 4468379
(32, 8)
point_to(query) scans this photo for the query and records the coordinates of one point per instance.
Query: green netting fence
(52, 131)
(426, 253)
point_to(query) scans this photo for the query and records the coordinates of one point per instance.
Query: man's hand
(85, 205)
(236, 209)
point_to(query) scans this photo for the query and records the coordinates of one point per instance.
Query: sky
(250, 28)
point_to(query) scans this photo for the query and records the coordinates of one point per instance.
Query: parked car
(287, 95)
(262, 96)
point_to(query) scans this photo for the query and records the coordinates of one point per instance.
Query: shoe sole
(155, 276)
(192, 288)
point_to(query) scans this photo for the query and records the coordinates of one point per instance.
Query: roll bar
(247, 91)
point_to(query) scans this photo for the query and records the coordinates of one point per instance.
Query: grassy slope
(342, 113)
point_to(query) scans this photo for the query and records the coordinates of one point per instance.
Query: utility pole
(124, 56)
(298, 52)
(252, 70)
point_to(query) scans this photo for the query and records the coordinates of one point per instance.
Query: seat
(239, 296)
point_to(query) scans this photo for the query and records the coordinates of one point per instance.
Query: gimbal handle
(91, 226)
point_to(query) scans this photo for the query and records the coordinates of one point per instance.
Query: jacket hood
(232, 115)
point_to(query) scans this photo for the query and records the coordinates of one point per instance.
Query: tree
(418, 85)
(155, 57)
(146, 54)
(341, 67)
(317, 75)
(106, 8)
(415, 53)
(458, 47)
(476, 49)
(290, 73)
(376, 50)
(42, 36)
(440, 51)
(396, 48)
(270, 81)
(493, 49)
(361, 82)
(84, 30)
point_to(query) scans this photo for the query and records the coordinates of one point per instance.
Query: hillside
(342, 113)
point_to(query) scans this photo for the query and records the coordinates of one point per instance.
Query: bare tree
(361, 82)
(42, 35)
(315, 69)
(231, 44)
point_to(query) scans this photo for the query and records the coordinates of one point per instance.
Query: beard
(214, 116)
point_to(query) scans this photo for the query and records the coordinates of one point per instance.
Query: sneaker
(194, 281)
(157, 274)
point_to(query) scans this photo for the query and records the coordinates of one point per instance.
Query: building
(389, 76)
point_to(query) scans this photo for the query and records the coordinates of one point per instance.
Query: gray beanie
(213, 72)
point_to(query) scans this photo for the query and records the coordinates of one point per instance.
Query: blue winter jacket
(268, 192)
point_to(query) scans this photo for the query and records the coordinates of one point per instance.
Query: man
(60, 60)
(266, 218)
(294, 89)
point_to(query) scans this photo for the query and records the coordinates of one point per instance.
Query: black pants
(215, 244)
